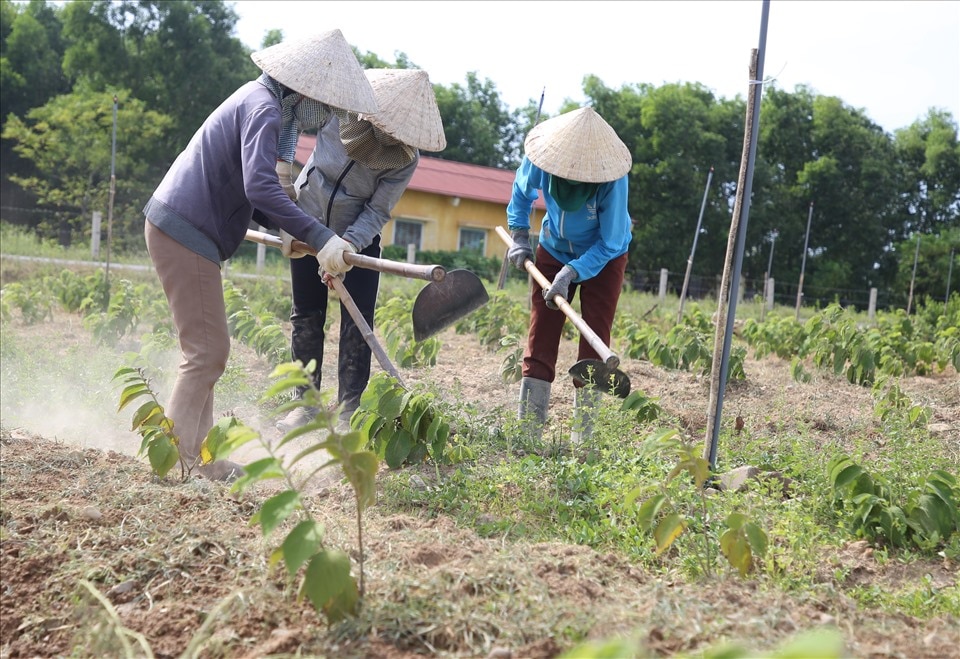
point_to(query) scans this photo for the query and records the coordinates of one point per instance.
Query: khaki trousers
(194, 291)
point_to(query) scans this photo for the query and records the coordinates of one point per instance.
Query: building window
(474, 239)
(406, 233)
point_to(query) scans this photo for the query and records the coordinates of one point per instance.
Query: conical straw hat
(578, 146)
(322, 67)
(408, 107)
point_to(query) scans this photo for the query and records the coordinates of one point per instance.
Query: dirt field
(181, 566)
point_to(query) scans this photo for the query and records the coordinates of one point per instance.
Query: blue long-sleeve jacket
(586, 239)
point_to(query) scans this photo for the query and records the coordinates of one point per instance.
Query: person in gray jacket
(356, 174)
(199, 214)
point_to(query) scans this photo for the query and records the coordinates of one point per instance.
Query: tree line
(163, 66)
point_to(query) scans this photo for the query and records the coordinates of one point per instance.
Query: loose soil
(78, 507)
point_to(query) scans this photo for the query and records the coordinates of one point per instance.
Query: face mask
(571, 195)
(370, 146)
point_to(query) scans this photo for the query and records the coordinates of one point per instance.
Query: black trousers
(309, 316)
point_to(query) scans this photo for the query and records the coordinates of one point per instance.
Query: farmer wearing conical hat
(580, 165)
(200, 212)
(359, 168)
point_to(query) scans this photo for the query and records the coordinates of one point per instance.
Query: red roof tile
(446, 177)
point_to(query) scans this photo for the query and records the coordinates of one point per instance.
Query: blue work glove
(520, 250)
(560, 285)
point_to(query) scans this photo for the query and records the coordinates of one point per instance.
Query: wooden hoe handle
(411, 270)
(607, 355)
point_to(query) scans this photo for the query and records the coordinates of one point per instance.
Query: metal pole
(113, 193)
(913, 277)
(696, 234)
(766, 277)
(803, 261)
(946, 298)
(742, 237)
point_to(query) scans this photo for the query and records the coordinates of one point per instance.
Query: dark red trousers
(598, 305)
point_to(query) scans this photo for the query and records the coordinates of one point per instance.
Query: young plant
(160, 443)
(925, 518)
(326, 578)
(643, 407)
(76, 292)
(121, 316)
(35, 304)
(404, 427)
(394, 318)
(660, 514)
(511, 368)
(499, 318)
(892, 404)
(260, 331)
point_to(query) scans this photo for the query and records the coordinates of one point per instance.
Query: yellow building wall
(443, 217)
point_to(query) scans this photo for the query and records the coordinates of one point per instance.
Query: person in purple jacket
(357, 172)
(199, 214)
(580, 165)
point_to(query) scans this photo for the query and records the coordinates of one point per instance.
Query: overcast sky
(893, 59)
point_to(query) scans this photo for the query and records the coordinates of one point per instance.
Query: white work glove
(330, 256)
(520, 250)
(560, 286)
(286, 246)
(285, 172)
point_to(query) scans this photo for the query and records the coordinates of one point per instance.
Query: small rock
(91, 514)
(942, 429)
(121, 588)
(736, 479)
(417, 483)
(500, 653)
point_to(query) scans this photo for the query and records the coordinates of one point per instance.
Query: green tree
(814, 148)
(69, 142)
(178, 56)
(30, 55)
(479, 127)
(929, 152)
(852, 178)
(933, 266)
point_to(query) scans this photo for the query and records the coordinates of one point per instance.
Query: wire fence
(784, 293)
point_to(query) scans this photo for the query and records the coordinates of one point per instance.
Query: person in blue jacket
(199, 213)
(580, 165)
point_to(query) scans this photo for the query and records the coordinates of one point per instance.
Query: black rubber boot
(353, 369)
(306, 343)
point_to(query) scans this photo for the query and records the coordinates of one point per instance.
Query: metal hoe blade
(440, 304)
(608, 380)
